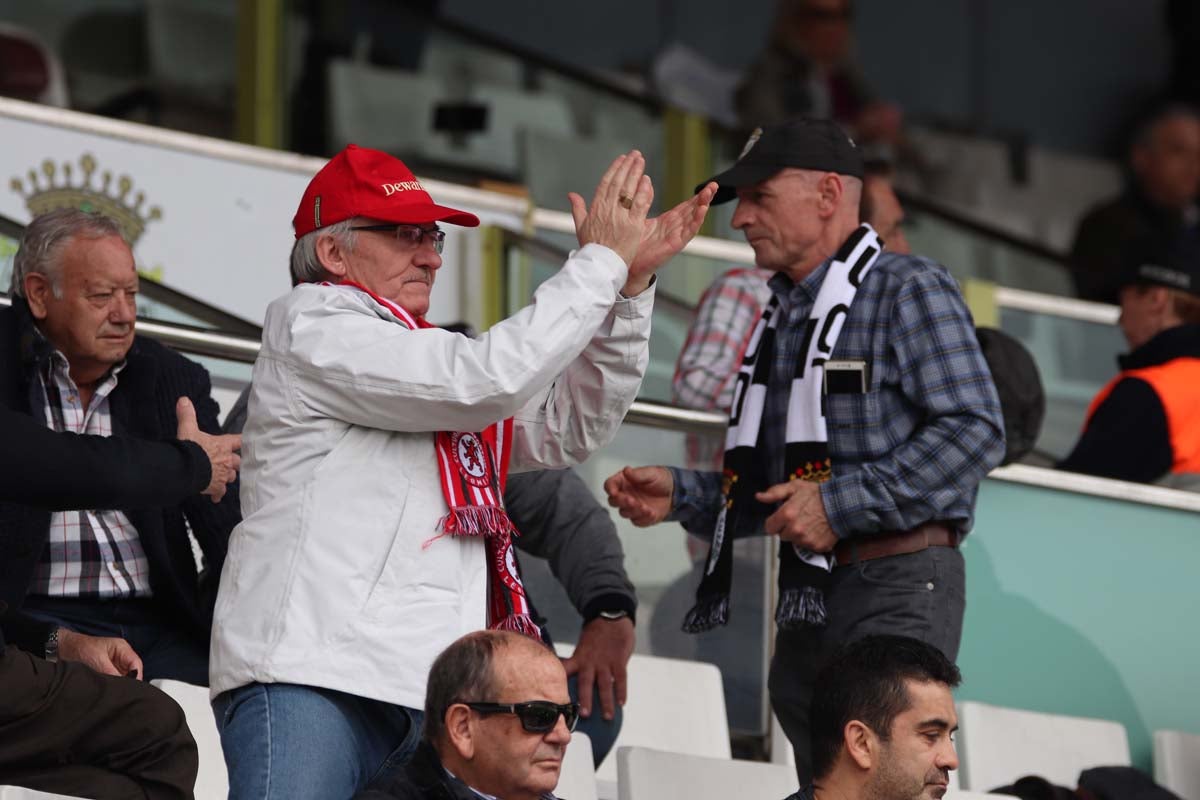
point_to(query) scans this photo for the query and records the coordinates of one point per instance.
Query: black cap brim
(739, 175)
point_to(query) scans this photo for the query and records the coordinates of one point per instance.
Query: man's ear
(38, 291)
(458, 731)
(862, 745)
(1159, 298)
(331, 255)
(829, 194)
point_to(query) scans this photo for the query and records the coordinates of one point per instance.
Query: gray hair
(45, 237)
(306, 267)
(465, 673)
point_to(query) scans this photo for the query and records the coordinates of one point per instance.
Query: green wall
(1086, 606)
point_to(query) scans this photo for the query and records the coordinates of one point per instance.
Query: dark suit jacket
(142, 406)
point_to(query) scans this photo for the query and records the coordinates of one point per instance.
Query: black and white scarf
(803, 575)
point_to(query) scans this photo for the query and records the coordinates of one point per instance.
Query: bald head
(466, 671)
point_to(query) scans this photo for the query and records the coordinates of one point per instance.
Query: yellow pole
(260, 100)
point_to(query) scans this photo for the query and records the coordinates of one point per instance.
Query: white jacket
(331, 579)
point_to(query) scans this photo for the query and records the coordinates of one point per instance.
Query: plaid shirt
(912, 449)
(88, 553)
(717, 340)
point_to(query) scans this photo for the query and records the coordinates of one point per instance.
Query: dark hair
(1144, 132)
(864, 681)
(463, 673)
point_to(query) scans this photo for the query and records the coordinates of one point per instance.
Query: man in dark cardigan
(119, 589)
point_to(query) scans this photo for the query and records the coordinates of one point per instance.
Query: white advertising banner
(207, 217)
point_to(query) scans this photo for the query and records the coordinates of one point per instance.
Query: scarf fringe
(707, 614)
(475, 521)
(519, 623)
(800, 607)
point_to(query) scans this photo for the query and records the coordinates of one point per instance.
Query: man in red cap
(377, 447)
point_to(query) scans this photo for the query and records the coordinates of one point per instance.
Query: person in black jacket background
(70, 360)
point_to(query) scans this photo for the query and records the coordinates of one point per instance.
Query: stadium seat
(647, 774)
(998, 745)
(1177, 763)
(670, 703)
(212, 782)
(18, 793)
(577, 780)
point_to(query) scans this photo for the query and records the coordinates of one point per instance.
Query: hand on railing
(642, 495)
(617, 216)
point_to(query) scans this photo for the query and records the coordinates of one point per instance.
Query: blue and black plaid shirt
(912, 449)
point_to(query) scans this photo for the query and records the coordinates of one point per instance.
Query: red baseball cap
(360, 182)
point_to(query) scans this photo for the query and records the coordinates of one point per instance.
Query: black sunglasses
(537, 716)
(410, 235)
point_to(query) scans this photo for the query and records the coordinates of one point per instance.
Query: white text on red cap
(403, 186)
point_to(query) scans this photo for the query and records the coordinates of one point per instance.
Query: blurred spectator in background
(70, 359)
(808, 70)
(1160, 201)
(1145, 424)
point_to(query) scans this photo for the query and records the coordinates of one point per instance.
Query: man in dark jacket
(64, 727)
(70, 360)
(1160, 202)
(1145, 424)
(497, 722)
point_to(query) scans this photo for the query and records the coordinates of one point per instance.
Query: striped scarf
(803, 575)
(473, 467)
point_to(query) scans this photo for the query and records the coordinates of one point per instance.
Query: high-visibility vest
(1177, 384)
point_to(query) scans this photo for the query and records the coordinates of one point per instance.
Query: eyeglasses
(537, 716)
(411, 236)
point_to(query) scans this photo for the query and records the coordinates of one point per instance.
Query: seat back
(1177, 763)
(577, 779)
(672, 704)
(212, 781)
(647, 774)
(997, 745)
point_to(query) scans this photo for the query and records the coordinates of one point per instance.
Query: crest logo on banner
(56, 186)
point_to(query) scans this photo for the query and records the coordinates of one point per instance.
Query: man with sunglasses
(376, 453)
(497, 722)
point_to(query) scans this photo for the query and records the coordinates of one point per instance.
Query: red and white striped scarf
(473, 467)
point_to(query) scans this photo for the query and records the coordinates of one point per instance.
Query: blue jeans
(284, 741)
(602, 732)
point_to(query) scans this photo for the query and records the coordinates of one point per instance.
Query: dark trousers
(166, 650)
(67, 729)
(922, 595)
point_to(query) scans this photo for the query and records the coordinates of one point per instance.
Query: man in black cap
(1145, 424)
(863, 420)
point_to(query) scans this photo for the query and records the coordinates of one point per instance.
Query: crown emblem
(52, 189)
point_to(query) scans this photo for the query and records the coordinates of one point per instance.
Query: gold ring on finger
(626, 201)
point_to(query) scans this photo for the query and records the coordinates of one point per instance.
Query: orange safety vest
(1177, 384)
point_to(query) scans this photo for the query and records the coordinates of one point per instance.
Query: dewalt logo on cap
(401, 186)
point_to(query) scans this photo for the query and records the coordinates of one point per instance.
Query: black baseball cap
(1175, 265)
(800, 143)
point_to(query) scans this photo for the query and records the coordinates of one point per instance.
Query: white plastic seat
(212, 781)
(669, 703)
(19, 793)
(997, 745)
(577, 779)
(1177, 763)
(647, 774)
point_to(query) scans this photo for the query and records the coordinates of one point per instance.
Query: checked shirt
(88, 553)
(912, 449)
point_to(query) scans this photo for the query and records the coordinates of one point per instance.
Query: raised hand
(641, 494)
(617, 216)
(667, 234)
(221, 450)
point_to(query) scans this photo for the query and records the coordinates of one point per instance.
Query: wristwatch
(52, 646)
(613, 615)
